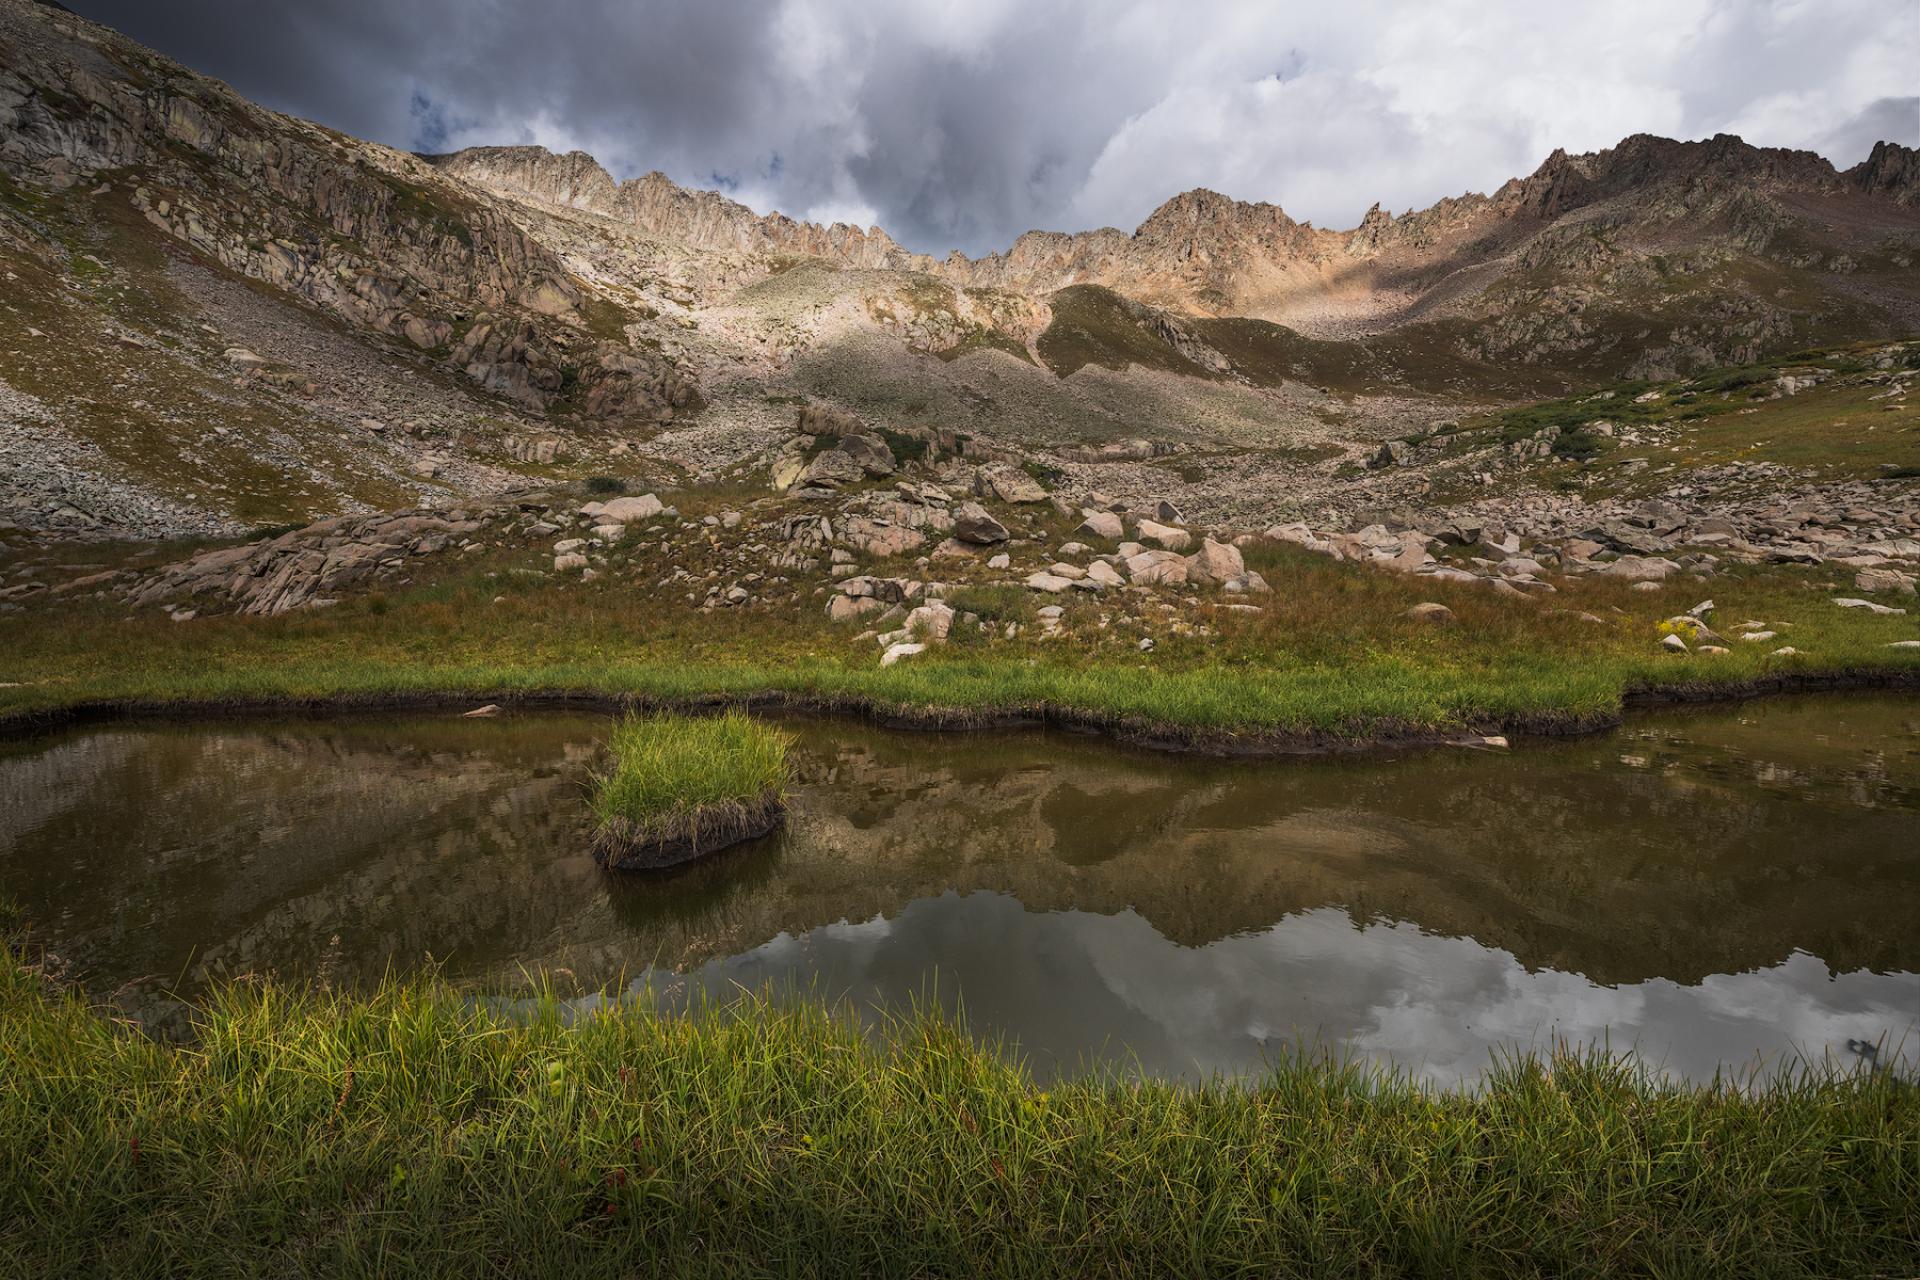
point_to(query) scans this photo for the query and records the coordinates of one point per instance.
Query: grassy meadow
(414, 1132)
(1332, 655)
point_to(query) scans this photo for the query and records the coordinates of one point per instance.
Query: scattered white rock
(896, 652)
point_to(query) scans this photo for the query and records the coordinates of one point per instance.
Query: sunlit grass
(414, 1131)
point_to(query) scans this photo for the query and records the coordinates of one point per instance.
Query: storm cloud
(961, 125)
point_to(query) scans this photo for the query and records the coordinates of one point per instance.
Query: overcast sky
(961, 124)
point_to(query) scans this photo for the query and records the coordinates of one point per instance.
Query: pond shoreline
(1380, 739)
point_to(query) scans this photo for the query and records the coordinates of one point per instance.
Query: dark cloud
(960, 126)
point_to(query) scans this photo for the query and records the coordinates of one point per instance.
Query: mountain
(219, 316)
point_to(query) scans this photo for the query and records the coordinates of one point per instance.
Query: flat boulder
(830, 470)
(896, 652)
(1101, 524)
(1640, 569)
(1884, 580)
(1166, 535)
(1157, 568)
(628, 510)
(1008, 484)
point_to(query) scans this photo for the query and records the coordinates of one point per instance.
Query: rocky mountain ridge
(1207, 253)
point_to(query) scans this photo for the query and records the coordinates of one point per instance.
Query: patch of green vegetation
(999, 602)
(987, 339)
(605, 319)
(905, 446)
(428, 208)
(1843, 428)
(1094, 325)
(605, 486)
(1419, 359)
(1044, 475)
(687, 779)
(1331, 653)
(419, 1131)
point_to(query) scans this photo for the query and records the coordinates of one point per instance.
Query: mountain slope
(227, 317)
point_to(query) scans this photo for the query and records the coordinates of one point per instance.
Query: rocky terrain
(221, 322)
(897, 536)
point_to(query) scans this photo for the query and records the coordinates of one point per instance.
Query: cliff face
(374, 236)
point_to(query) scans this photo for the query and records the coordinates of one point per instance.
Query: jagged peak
(1205, 205)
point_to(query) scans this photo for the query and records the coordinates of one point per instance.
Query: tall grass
(417, 1132)
(684, 785)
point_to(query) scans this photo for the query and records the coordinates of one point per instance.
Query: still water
(1713, 889)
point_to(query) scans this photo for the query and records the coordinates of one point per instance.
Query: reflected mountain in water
(1197, 911)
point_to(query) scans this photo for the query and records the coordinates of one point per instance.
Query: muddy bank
(1379, 738)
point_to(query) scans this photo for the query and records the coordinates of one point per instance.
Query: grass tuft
(682, 786)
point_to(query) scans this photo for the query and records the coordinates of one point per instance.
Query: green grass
(1331, 655)
(1838, 430)
(417, 1132)
(693, 780)
(1094, 325)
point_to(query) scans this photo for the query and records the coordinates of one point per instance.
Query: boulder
(971, 523)
(628, 510)
(931, 621)
(1214, 564)
(1431, 612)
(869, 452)
(787, 470)
(877, 538)
(1166, 513)
(569, 560)
(1167, 536)
(1157, 568)
(1640, 569)
(1048, 582)
(898, 651)
(1391, 454)
(1101, 524)
(1008, 484)
(1105, 574)
(848, 608)
(830, 470)
(1884, 580)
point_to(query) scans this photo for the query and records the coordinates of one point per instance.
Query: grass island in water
(681, 787)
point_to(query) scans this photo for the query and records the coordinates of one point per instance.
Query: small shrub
(998, 603)
(606, 485)
(906, 448)
(1048, 477)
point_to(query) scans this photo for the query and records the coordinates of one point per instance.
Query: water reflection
(1707, 887)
